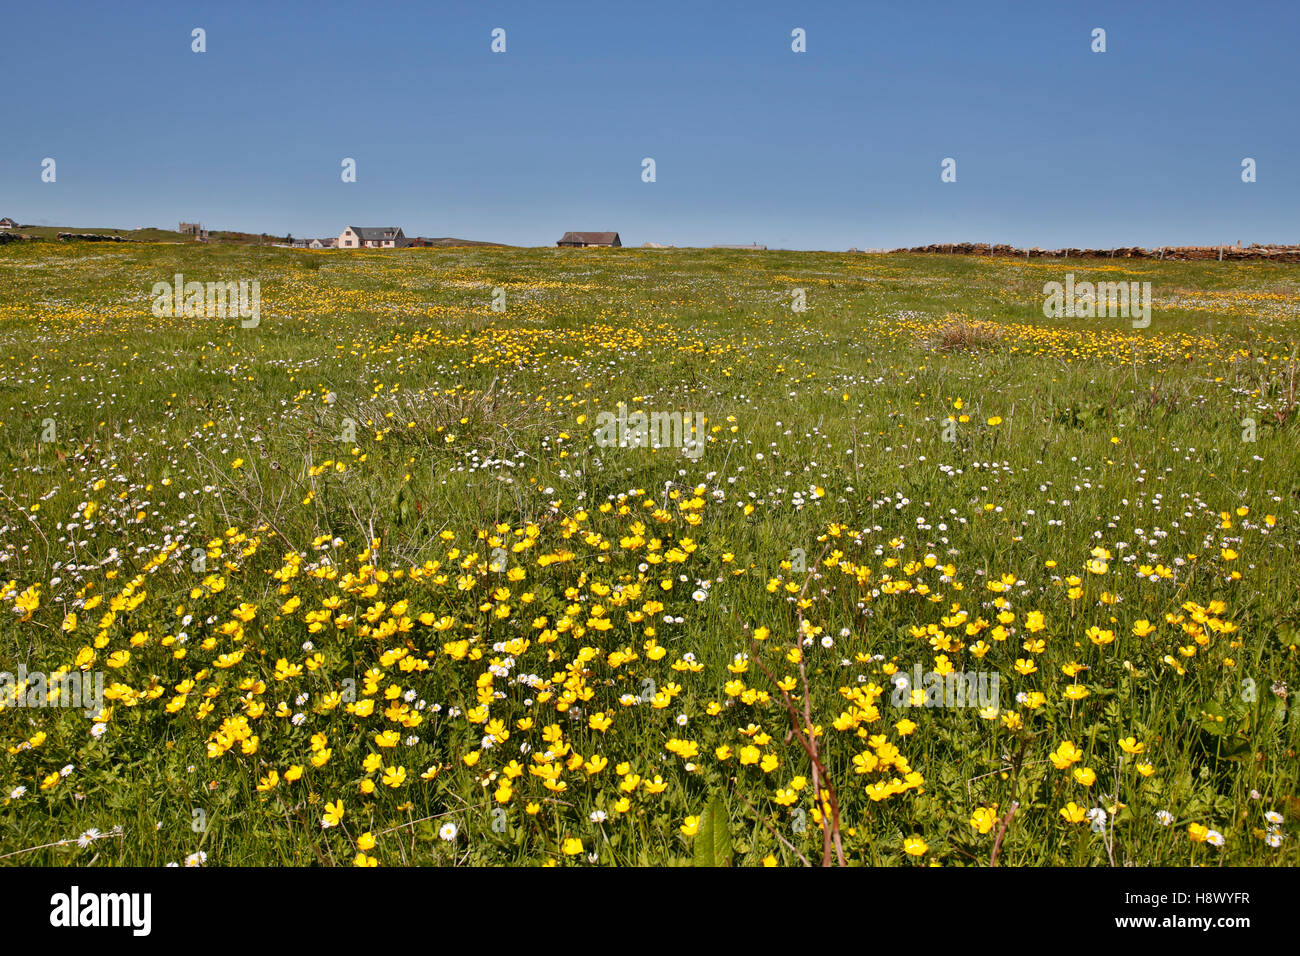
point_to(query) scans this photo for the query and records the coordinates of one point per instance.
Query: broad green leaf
(713, 838)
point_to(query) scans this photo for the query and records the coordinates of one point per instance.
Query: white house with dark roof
(372, 237)
(7, 223)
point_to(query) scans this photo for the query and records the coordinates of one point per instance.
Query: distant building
(330, 243)
(194, 229)
(7, 223)
(372, 237)
(753, 247)
(581, 240)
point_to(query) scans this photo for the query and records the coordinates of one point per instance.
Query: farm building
(581, 240)
(7, 223)
(372, 237)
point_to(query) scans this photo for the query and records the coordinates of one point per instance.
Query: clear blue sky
(836, 147)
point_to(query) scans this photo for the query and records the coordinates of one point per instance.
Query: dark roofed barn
(581, 240)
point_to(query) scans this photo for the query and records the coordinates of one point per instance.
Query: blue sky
(836, 147)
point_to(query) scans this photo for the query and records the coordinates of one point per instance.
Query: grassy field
(140, 235)
(363, 585)
(215, 237)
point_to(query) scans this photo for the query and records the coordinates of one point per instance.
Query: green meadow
(359, 581)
